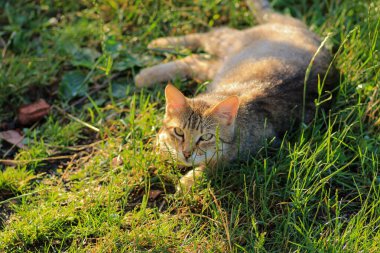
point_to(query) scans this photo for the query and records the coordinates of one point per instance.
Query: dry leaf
(13, 137)
(28, 114)
(154, 194)
(116, 161)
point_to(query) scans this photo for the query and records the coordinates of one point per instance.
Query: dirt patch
(156, 195)
(5, 214)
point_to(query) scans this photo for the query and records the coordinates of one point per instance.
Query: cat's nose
(186, 154)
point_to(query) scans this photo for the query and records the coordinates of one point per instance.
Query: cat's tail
(263, 13)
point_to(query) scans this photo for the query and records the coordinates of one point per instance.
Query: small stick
(17, 162)
(76, 119)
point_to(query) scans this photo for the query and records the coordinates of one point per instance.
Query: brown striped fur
(257, 89)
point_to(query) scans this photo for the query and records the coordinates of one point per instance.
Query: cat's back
(267, 56)
(268, 73)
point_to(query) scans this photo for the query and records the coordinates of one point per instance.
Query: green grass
(87, 183)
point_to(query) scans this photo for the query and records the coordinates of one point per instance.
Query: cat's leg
(192, 41)
(216, 42)
(189, 179)
(194, 66)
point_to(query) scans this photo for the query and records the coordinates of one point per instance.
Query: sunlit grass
(100, 186)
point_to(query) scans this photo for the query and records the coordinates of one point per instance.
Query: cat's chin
(188, 163)
(171, 155)
(197, 160)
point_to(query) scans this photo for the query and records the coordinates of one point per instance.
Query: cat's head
(195, 131)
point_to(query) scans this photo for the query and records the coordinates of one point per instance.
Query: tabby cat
(258, 89)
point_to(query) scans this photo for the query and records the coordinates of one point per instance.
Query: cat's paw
(144, 79)
(189, 179)
(159, 43)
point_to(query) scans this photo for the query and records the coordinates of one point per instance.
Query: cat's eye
(178, 131)
(206, 137)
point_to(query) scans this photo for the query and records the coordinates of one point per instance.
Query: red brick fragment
(28, 114)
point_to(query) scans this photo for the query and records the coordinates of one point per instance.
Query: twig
(76, 119)
(74, 148)
(17, 162)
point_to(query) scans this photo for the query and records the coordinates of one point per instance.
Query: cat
(258, 89)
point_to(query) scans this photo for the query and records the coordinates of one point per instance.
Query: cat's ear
(175, 100)
(226, 110)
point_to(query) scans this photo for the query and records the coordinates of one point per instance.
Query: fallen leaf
(154, 194)
(116, 161)
(84, 57)
(28, 114)
(13, 137)
(73, 84)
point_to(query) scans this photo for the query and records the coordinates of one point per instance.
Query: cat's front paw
(144, 79)
(189, 179)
